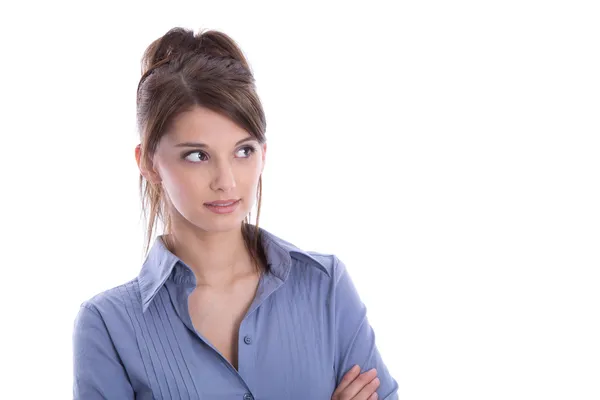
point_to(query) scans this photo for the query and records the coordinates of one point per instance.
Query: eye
(250, 150)
(195, 158)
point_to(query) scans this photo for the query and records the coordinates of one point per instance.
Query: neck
(217, 259)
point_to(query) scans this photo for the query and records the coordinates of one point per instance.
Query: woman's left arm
(355, 338)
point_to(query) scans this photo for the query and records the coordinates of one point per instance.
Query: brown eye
(195, 158)
(249, 149)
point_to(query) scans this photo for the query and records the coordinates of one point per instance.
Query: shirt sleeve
(97, 370)
(355, 338)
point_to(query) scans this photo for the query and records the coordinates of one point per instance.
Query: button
(248, 396)
(247, 339)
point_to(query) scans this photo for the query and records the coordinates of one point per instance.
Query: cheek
(248, 178)
(183, 185)
(253, 171)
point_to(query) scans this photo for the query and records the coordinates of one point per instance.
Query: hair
(181, 70)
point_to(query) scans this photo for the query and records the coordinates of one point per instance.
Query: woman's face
(205, 157)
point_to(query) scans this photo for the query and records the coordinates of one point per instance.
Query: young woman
(222, 308)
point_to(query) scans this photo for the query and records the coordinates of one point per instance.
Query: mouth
(222, 206)
(222, 202)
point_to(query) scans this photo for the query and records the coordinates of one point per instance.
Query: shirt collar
(160, 262)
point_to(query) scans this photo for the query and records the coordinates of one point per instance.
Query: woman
(221, 309)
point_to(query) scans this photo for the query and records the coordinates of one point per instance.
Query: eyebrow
(203, 145)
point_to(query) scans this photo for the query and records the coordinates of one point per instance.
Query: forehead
(203, 124)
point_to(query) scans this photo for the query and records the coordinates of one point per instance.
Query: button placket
(247, 348)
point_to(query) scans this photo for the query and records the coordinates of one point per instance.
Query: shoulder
(104, 328)
(325, 265)
(115, 301)
(326, 271)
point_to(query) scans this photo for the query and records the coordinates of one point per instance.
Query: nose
(223, 178)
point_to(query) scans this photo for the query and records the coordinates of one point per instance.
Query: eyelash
(252, 150)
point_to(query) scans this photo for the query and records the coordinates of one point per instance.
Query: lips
(222, 202)
(224, 208)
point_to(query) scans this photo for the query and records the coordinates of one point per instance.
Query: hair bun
(180, 43)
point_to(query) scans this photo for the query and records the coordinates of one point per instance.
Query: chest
(290, 353)
(217, 316)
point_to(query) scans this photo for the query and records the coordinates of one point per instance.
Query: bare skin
(357, 386)
(217, 314)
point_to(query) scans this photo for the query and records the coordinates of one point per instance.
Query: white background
(447, 152)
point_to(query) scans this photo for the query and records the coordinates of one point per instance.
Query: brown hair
(181, 70)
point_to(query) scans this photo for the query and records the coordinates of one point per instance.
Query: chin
(220, 223)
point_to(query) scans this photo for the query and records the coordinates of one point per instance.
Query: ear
(150, 174)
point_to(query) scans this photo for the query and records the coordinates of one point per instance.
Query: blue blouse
(305, 328)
